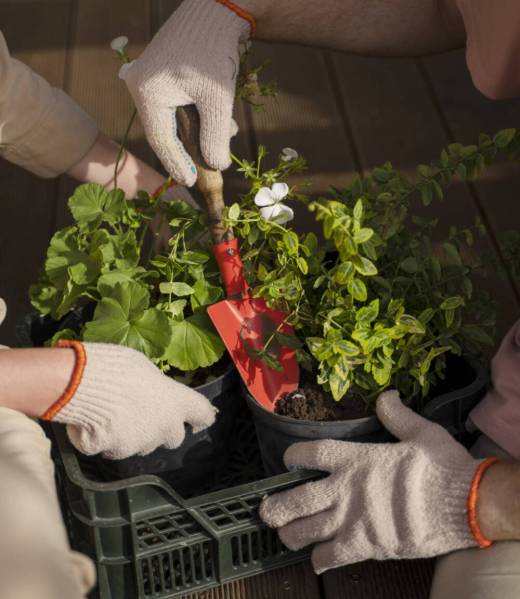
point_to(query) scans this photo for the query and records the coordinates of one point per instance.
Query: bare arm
(374, 27)
(498, 507)
(31, 380)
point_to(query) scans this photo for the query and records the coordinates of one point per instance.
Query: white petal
(264, 197)
(119, 43)
(279, 191)
(289, 154)
(123, 71)
(285, 215)
(270, 212)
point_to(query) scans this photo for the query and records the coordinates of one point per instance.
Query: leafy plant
(382, 302)
(155, 305)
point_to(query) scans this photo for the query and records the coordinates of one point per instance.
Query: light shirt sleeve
(41, 128)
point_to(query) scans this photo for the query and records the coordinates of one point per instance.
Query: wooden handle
(209, 181)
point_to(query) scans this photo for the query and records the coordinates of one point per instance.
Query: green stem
(122, 146)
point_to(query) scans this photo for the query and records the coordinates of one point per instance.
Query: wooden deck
(343, 113)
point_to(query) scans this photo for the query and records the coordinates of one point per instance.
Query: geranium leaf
(124, 318)
(194, 343)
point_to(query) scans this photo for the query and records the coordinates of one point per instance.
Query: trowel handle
(209, 181)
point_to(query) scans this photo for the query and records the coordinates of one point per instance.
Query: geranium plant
(154, 304)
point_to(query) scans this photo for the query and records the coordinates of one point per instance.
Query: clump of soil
(310, 402)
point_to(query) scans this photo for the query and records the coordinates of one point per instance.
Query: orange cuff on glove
(75, 379)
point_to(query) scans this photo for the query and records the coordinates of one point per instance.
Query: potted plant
(383, 303)
(102, 282)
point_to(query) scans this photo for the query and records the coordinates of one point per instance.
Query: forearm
(98, 165)
(31, 380)
(374, 27)
(498, 506)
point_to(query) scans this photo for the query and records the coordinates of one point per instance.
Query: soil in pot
(308, 414)
(310, 402)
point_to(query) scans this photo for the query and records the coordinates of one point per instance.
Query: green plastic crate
(148, 542)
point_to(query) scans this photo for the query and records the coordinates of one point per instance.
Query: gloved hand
(412, 499)
(120, 404)
(193, 59)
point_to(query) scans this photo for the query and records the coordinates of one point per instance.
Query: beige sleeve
(41, 128)
(35, 556)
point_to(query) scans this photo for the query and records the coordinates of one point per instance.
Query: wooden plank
(394, 117)
(468, 113)
(37, 34)
(92, 72)
(291, 582)
(304, 116)
(406, 579)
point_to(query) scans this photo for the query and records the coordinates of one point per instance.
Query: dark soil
(310, 402)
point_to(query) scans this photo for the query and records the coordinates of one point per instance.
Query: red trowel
(243, 322)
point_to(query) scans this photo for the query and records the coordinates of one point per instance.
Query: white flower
(119, 43)
(270, 203)
(289, 154)
(123, 71)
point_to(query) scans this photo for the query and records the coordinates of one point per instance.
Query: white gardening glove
(381, 501)
(193, 59)
(119, 404)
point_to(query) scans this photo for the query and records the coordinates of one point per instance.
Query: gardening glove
(412, 499)
(119, 404)
(193, 59)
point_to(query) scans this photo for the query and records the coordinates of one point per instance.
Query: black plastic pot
(276, 433)
(190, 467)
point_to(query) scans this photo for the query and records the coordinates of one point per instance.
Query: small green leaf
(204, 294)
(176, 287)
(345, 348)
(452, 254)
(291, 242)
(357, 289)
(410, 265)
(288, 340)
(411, 324)
(504, 138)
(452, 303)
(302, 265)
(234, 212)
(321, 349)
(344, 273)
(363, 235)
(358, 209)
(364, 266)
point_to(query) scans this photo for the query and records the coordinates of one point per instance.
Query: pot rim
(470, 359)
